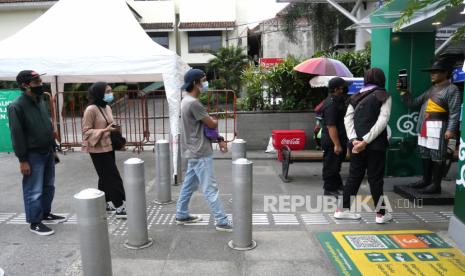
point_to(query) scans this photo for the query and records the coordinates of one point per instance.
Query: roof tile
(207, 25)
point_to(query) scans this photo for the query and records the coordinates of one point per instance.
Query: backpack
(318, 123)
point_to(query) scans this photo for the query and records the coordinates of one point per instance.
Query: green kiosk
(412, 48)
(6, 97)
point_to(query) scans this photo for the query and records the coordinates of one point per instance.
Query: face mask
(108, 98)
(204, 86)
(37, 90)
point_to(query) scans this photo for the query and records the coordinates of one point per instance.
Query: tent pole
(56, 95)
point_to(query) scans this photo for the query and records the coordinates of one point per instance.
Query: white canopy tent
(84, 41)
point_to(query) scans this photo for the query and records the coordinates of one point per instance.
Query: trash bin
(295, 139)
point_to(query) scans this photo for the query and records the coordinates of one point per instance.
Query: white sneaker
(383, 219)
(346, 215)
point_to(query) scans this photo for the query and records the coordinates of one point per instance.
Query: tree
(414, 6)
(227, 67)
(323, 18)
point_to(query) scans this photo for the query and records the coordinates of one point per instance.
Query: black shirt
(333, 112)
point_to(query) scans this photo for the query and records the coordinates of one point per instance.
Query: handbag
(117, 140)
(212, 134)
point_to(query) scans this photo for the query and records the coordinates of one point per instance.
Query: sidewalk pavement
(287, 244)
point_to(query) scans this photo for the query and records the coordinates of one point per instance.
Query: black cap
(336, 83)
(27, 76)
(191, 76)
(444, 64)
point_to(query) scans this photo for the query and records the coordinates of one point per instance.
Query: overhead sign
(6, 97)
(458, 75)
(270, 62)
(410, 252)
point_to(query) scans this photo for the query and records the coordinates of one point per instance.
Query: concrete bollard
(134, 185)
(162, 164)
(238, 149)
(93, 232)
(242, 170)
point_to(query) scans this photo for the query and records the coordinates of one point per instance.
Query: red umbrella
(324, 67)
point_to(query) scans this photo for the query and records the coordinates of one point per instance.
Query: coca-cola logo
(293, 141)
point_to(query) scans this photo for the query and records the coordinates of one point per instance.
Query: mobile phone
(403, 79)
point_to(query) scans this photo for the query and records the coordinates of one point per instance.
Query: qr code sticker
(365, 242)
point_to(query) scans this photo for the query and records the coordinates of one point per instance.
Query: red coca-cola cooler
(295, 139)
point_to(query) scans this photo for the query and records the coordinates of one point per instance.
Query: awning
(322, 81)
(162, 26)
(225, 25)
(422, 20)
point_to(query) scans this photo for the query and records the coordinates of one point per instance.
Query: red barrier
(143, 116)
(222, 105)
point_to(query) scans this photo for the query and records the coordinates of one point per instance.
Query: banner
(6, 97)
(409, 252)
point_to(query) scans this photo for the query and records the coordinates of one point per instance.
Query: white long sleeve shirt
(376, 129)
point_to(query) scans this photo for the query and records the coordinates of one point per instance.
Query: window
(160, 38)
(204, 42)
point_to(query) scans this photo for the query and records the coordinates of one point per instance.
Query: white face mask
(204, 86)
(108, 97)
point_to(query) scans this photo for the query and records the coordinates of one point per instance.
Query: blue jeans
(38, 187)
(201, 171)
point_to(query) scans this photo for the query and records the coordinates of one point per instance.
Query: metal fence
(143, 116)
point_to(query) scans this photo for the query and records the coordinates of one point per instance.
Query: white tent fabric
(93, 40)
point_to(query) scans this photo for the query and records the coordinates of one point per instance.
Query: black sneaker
(120, 213)
(190, 219)
(332, 193)
(110, 208)
(53, 219)
(224, 228)
(40, 229)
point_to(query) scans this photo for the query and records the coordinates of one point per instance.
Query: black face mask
(38, 90)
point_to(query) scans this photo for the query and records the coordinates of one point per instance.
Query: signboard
(270, 62)
(408, 252)
(356, 86)
(458, 75)
(6, 97)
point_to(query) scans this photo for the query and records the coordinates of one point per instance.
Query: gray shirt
(194, 143)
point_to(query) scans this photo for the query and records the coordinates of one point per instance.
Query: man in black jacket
(34, 145)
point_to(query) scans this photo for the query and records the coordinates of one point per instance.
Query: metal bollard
(242, 205)
(93, 232)
(238, 149)
(162, 164)
(134, 185)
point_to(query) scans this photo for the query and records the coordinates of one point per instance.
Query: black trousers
(109, 179)
(332, 167)
(372, 162)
